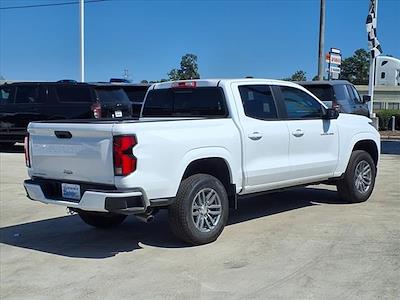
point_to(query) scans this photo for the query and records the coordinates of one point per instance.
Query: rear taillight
(26, 148)
(184, 85)
(96, 109)
(124, 160)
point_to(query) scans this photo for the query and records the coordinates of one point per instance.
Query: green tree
(299, 75)
(315, 78)
(188, 70)
(144, 81)
(356, 68)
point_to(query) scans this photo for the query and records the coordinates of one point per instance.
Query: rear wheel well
(370, 147)
(216, 167)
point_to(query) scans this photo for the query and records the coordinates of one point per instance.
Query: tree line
(354, 69)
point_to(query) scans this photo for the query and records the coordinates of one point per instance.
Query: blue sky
(269, 39)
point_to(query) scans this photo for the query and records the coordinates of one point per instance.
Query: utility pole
(321, 41)
(82, 38)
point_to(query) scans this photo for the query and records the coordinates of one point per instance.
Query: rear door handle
(255, 136)
(298, 133)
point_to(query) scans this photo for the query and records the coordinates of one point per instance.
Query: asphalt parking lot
(300, 244)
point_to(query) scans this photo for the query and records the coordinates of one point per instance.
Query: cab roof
(218, 82)
(324, 82)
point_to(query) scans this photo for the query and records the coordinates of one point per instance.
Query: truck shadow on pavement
(68, 236)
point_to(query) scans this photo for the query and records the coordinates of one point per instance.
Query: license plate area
(71, 191)
(118, 114)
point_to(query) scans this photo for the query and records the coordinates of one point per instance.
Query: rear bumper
(125, 202)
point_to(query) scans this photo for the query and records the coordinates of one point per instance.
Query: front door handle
(255, 136)
(298, 133)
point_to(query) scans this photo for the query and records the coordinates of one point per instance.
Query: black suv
(24, 102)
(339, 94)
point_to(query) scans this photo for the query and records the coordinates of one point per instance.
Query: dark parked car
(24, 102)
(340, 94)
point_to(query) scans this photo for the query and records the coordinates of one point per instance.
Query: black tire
(182, 222)
(100, 219)
(346, 187)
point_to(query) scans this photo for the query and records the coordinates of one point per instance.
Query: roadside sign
(334, 72)
(334, 75)
(335, 59)
(334, 69)
(335, 50)
(327, 57)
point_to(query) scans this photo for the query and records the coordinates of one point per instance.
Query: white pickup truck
(198, 146)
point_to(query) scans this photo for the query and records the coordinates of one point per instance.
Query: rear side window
(258, 102)
(323, 92)
(341, 92)
(27, 95)
(197, 102)
(111, 95)
(300, 105)
(73, 94)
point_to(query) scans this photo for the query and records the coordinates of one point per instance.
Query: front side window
(356, 95)
(258, 102)
(27, 95)
(300, 105)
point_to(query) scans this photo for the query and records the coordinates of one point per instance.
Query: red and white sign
(335, 59)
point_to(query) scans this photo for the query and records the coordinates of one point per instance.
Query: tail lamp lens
(26, 148)
(184, 85)
(124, 160)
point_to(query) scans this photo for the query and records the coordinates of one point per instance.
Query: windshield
(323, 92)
(197, 102)
(111, 95)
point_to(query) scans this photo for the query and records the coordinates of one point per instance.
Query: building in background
(385, 96)
(387, 71)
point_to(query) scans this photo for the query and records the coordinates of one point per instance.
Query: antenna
(126, 74)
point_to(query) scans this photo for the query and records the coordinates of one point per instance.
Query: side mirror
(331, 113)
(366, 98)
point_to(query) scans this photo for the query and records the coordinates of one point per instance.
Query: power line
(50, 4)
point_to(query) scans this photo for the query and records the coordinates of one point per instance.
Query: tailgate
(72, 152)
